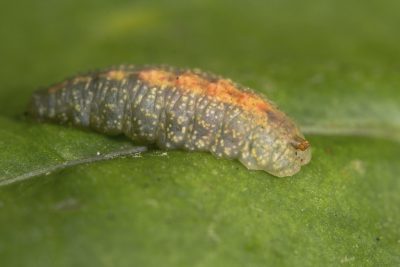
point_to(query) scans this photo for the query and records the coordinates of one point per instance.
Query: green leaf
(331, 65)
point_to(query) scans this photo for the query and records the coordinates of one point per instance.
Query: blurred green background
(331, 65)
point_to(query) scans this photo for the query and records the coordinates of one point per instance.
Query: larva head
(277, 148)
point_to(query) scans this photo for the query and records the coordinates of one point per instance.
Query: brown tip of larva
(300, 143)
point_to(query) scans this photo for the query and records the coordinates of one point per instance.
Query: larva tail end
(37, 107)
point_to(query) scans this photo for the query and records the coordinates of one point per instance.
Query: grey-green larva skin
(173, 118)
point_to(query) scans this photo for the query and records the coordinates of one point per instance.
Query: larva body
(178, 109)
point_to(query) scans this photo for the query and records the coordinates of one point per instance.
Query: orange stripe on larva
(76, 80)
(110, 75)
(56, 87)
(116, 74)
(222, 90)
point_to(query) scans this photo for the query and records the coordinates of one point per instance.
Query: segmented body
(178, 109)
